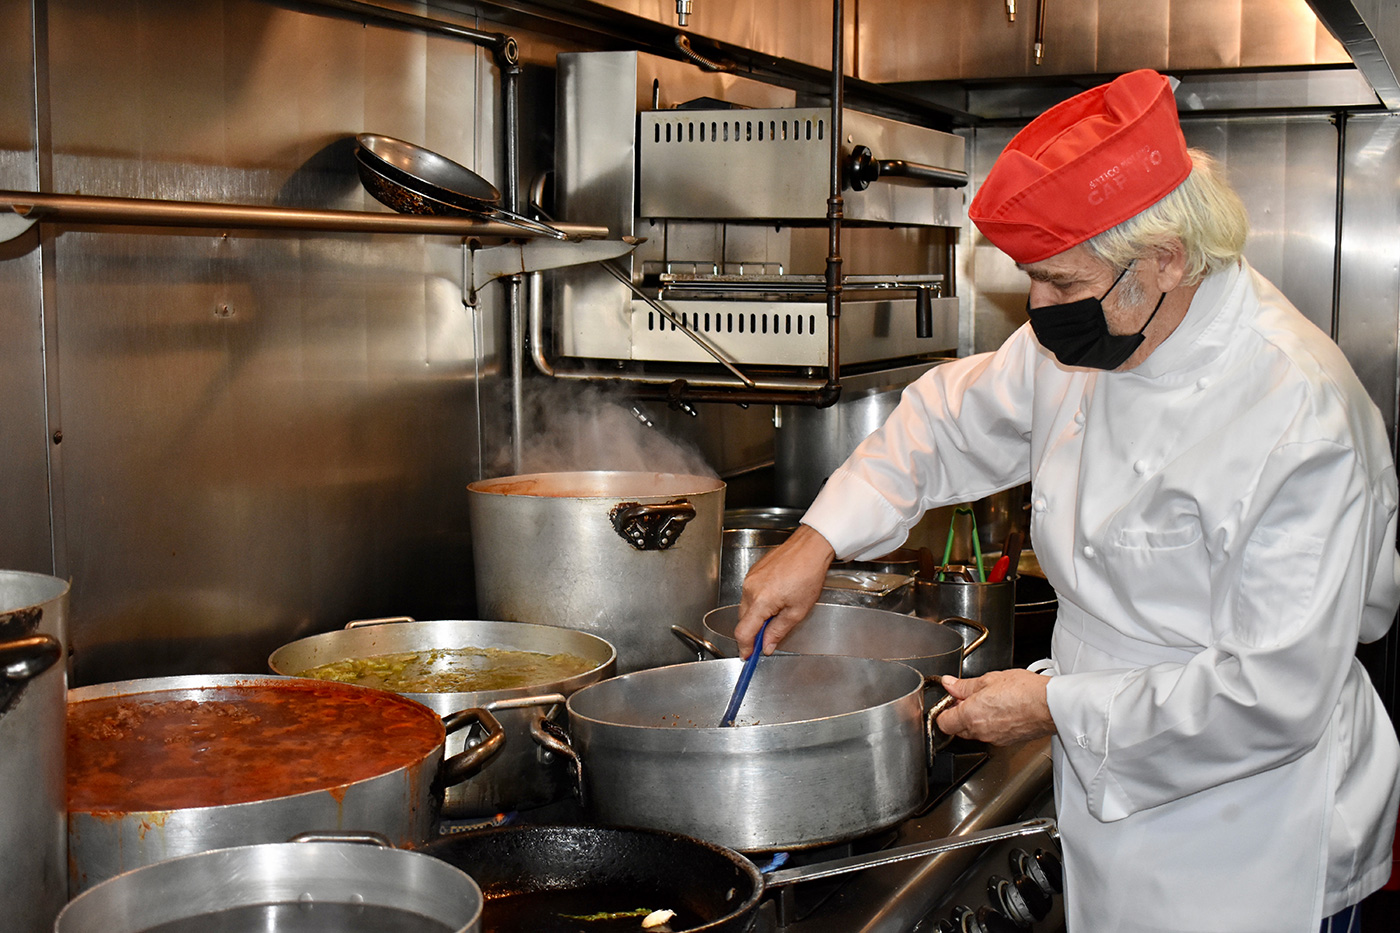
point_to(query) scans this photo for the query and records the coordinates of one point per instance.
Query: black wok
(531, 875)
(414, 180)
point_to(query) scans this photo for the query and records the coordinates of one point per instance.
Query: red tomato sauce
(224, 745)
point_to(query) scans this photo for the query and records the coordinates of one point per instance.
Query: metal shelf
(21, 209)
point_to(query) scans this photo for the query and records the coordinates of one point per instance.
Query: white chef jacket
(1219, 525)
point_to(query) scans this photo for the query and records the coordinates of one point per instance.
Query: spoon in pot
(745, 675)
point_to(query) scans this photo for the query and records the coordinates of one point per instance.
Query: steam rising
(585, 430)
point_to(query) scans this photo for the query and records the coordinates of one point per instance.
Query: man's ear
(1169, 264)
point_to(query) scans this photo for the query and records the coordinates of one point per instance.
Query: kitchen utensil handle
(458, 768)
(27, 658)
(365, 623)
(651, 526)
(844, 866)
(742, 686)
(695, 643)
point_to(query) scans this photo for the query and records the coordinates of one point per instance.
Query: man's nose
(1041, 294)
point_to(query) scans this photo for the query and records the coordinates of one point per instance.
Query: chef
(1214, 502)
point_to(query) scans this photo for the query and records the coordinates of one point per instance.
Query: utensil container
(947, 595)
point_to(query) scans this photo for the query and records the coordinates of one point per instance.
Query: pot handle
(842, 866)
(363, 838)
(651, 526)
(695, 643)
(936, 739)
(458, 768)
(364, 623)
(978, 627)
(26, 658)
(549, 736)
(545, 699)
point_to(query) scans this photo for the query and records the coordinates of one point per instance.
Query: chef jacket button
(1039, 505)
(1082, 741)
(1079, 417)
(1203, 382)
(1089, 551)
(1140, 467)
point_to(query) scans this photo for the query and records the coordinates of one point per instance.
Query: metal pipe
(705, 343)
(1336, 326)
(140, 212)
(506, 48)
(510, 106)
(835, 208)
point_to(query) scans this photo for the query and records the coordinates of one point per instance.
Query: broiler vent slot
(681, 130)
(730, 322)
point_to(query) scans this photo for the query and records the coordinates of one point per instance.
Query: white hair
(1203, 212)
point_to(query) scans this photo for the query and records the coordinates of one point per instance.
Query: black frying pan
(413, 180)
(535, 878)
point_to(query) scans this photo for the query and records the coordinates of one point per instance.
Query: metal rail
(140, 212)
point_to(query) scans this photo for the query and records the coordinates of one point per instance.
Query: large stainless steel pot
(343, 885)
(401, 803)
(522, 774)
(33, 682)
(828, 749)
(623, 556)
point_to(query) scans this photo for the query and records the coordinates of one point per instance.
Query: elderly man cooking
(1214, 501)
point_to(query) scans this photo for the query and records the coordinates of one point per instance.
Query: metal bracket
(651, 526)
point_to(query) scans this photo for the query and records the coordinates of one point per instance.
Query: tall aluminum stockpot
(352, 887)
(33, 684)
(826, 749)
(620, 555)
(401, 802)
(522, 774)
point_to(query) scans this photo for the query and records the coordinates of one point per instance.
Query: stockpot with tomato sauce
(172, 766)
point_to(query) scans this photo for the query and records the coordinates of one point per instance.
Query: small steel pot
(522, 774)
(351, 883)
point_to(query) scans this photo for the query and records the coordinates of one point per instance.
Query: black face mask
(1077, 332)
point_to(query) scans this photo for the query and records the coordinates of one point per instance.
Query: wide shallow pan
(522, 774)
(414, 180)
(332, 886)
(826, 749)
(172, 766)
(533, 877)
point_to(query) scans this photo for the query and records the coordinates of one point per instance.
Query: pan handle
(544, 699)
(695, 643)
(365, 623)
(458, 768)
(363, 838)
(842, 866)
(551, 737)
(959, 621)
(651, 526)
(26, 658)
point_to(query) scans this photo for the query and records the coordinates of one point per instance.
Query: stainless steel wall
(261, 434)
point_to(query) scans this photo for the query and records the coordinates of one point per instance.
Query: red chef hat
(1083, 166)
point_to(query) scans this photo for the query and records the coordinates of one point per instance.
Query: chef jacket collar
(1204, 332)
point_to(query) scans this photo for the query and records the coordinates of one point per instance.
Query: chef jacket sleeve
(1288, 601)
(960, 432)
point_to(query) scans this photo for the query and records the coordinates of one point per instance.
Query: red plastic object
(999, 569)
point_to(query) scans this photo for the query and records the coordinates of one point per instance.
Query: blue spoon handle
(745, 676)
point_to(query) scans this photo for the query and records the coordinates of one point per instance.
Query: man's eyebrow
(1054, 278)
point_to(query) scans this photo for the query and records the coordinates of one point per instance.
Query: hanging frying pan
(413, 180)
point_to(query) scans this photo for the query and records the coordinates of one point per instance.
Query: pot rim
(598, 484)
(728, 737)
(186, 682)
(470, 697)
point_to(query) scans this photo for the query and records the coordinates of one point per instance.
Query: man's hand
(1000, 707)
(785, 585)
